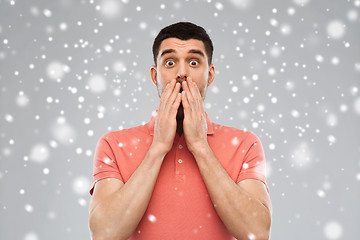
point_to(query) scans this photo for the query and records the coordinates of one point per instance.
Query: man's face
(180, 59)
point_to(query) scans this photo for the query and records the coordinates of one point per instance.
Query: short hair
(183, 31)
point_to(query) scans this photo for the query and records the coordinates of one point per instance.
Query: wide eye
(169, 63)
(194, 63)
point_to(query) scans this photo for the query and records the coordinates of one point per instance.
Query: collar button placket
(179, 157)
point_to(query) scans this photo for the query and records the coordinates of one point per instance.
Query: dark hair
(183, 31)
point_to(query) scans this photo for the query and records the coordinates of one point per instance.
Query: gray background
(72, 70)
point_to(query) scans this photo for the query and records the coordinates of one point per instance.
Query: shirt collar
(151, 124)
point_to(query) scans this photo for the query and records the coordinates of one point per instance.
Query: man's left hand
(194, 123)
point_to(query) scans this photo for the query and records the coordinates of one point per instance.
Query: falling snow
(302, 155)
(97, 84)
(39, 153)
(31, 236)
(333, 230)
(336, 29)
(56, 70)
(71, 71)
(152, 218)
(110, 9)
(81, 185)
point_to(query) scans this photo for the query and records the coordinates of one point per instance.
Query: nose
(182, 72)
(181, 77)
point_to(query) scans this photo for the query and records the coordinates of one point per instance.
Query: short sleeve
(254, 164)
(105, 164)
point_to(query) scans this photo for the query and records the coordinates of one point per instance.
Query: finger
(188, 95)
(197, 95)
(166, 93)
(185, 103)
(174, 93)
(174, 100)
(169, 89)
(195, 92)
(193, 96)
(176, 104)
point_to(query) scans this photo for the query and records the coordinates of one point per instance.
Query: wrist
(157, 150)
(200, 149)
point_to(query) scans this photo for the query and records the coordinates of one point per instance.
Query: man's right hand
(165, 122)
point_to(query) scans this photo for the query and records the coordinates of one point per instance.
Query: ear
(153, 72)
(211, 74)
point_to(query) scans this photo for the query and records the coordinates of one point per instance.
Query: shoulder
(126, 131)
(125, 135)
(232, 132)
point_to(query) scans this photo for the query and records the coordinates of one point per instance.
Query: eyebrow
(167, 51)
(197, 52)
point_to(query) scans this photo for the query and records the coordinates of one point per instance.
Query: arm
(117, 208)
(244, 208)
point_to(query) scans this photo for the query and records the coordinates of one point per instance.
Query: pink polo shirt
(180, 206)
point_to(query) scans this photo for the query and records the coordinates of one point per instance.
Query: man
(180, 176)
